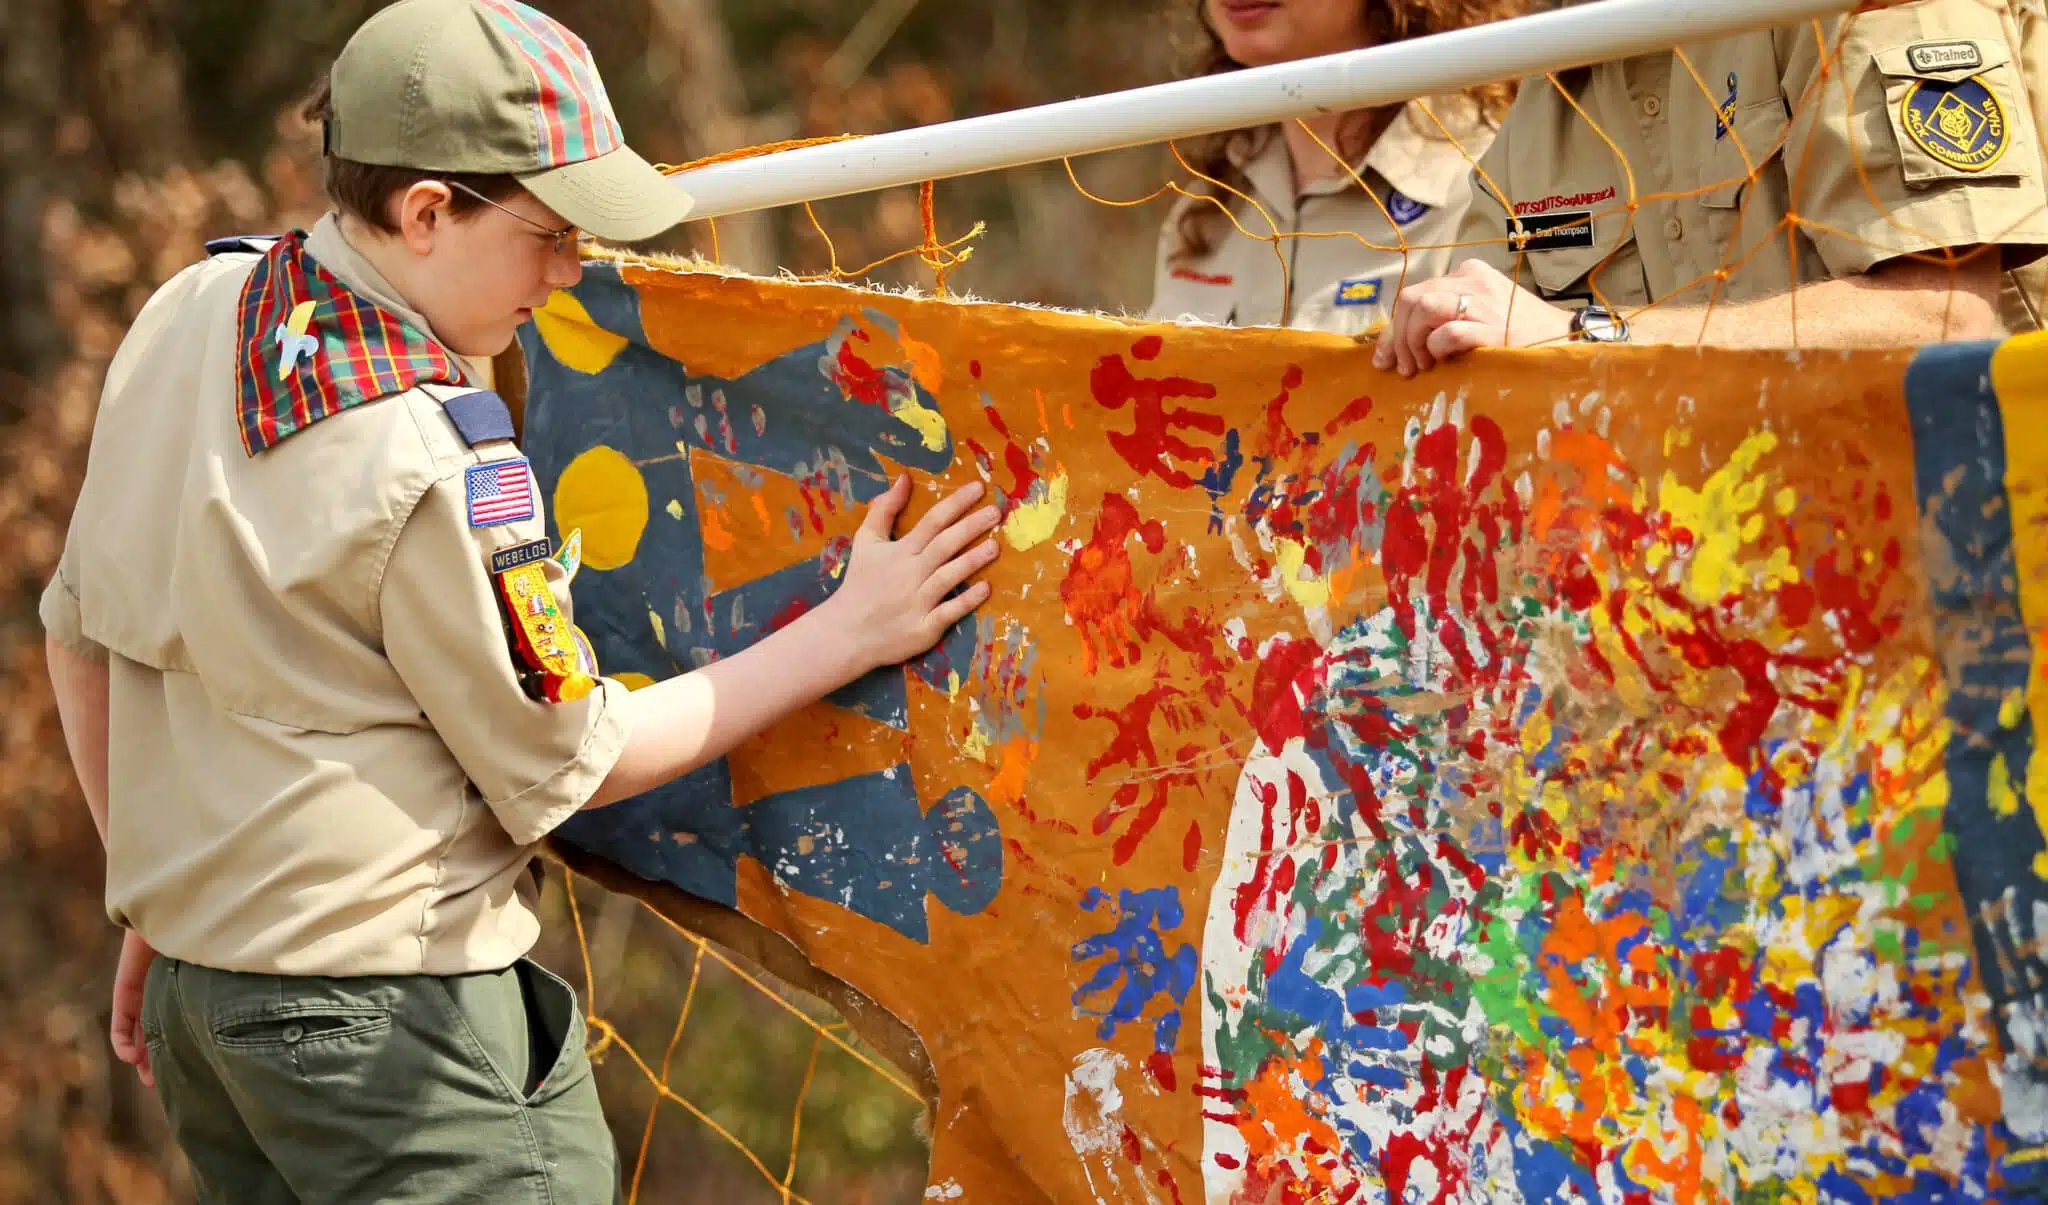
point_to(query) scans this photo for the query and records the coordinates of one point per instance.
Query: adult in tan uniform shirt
(1317, 241)
(1921, 137)
(1345, 251)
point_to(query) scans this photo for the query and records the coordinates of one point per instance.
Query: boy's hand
(892, 604)
(126, 1029)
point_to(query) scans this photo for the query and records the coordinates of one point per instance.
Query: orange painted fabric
(1569, 774)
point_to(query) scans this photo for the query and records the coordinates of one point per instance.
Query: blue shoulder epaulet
(479, 416)
(255, 244)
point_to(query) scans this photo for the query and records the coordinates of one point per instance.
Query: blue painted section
(1981, 638)
(866, 842)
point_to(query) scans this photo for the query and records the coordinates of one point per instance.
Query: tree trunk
(690, 57)
(32, 88)
(89, 93)
(133, 82)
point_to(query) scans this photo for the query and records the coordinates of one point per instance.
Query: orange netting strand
(667, 1061)
(667, 1093)
(894, 1080)
(940, 256)
(606, 1036)
(796, 1122)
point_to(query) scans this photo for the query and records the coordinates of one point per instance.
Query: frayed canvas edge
(697, 265)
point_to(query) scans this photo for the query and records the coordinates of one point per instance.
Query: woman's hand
(1472, 305)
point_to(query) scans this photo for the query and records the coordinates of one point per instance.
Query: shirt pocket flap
(1564, 246)
(1754, 138)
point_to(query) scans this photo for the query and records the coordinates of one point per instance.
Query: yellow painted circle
(633, 681)
(573, 337)
(602, 492)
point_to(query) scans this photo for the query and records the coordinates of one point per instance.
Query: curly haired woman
(1320, 222)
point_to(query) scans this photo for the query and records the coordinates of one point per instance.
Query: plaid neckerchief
(298, 366)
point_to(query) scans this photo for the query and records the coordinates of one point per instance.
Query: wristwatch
(1595, 323)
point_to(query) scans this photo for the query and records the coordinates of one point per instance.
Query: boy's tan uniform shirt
(1348, 251)
(1922, 135)
(321, 761)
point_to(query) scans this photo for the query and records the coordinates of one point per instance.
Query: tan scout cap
(496, 87)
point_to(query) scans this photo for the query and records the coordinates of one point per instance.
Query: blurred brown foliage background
(133, 130)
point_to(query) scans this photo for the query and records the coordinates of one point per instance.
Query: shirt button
(293, 1033)
(1674, 229)
(1652, 106)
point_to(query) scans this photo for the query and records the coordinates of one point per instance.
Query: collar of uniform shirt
(326, 245)
(1429, 148)
(1413, 154)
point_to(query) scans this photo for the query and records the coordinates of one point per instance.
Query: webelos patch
(499, 491)
(1550, 231)
(1960, 124)
(1358, 292)
(552, 659)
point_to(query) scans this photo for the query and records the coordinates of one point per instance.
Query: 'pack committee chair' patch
(1960, 124)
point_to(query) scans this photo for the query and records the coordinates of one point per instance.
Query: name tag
(1944, 56)
(1358, 292)
(1551, 231)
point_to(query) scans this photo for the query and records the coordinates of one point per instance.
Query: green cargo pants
(409, 1089)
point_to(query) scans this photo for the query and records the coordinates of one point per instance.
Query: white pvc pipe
(1512, 49)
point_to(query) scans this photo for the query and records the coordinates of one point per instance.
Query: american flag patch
(500, 492)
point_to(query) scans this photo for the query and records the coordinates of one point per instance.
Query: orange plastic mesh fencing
(1689, 193)
(1903, 159)
(941, 257)
(654, 1061)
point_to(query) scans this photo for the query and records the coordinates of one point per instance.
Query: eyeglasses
(562, 237)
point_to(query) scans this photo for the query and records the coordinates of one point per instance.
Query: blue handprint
(1137, 955)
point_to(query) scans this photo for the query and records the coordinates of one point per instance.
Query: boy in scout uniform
(1895, 131)
(316, 662)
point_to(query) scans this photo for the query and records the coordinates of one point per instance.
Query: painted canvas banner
(1569, 776)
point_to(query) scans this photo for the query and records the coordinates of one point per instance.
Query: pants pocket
(289, 1026)
(556, 1033)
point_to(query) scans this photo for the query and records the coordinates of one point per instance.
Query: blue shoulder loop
(480, 416)
(255, 244)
